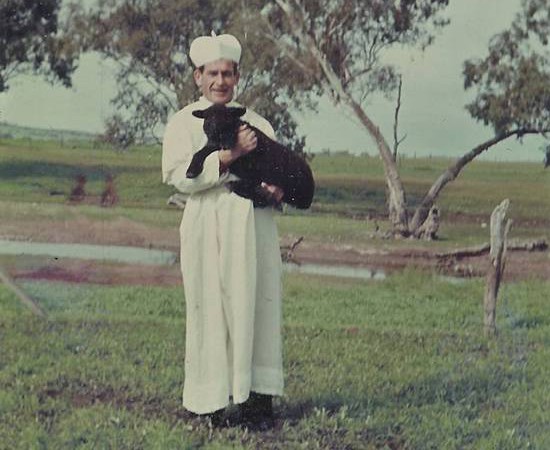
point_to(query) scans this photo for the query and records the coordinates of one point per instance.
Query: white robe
(231, 266)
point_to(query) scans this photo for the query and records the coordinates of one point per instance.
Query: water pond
(137, 255)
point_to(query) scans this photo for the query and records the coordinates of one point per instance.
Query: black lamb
(270, 162)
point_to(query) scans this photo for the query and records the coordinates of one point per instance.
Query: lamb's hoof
(191, 174)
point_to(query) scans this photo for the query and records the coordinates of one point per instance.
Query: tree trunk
(499, 235)
(396, 201)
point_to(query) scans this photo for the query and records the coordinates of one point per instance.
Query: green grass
(350, 191)
(399, 363)
(358, 183)
(63, 137)
(30, 170)
(61, 212)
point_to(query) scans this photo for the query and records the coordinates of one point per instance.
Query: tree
(149, 41)
(339, 44)
(513, 89)
(29, 41)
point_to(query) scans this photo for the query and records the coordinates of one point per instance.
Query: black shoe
(257, 410)
(215, 419)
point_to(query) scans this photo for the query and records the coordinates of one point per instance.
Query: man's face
(217, 81)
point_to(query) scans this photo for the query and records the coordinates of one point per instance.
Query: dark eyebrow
(225, 73)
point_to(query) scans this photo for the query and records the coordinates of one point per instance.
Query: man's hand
(274, 194)
(246, 142)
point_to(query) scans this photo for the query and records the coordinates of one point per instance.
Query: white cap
(205, 49)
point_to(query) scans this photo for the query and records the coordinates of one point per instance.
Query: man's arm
(177, 152)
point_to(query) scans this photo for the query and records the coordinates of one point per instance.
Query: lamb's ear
(200, 113)
(237, 111)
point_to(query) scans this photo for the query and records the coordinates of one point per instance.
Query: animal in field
(271, 162)
(78, 192)
(109, 196)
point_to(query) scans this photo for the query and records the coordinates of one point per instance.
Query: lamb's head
(221, 124)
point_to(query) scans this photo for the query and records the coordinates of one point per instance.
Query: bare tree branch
(453, 171)
(397, 141)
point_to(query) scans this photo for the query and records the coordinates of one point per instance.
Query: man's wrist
(225, 159)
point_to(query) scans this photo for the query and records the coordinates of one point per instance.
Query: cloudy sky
(432, 114)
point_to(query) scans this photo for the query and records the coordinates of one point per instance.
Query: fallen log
(535, 245)
(479, 250)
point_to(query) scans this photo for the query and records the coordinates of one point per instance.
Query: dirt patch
(84, 396)
(97, 272)
(521, 264)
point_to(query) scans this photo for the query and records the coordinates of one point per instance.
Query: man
(230, 257)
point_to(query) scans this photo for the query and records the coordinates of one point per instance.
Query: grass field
(394, 364)
(349, 188)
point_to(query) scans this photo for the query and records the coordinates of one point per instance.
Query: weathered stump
(428, 230)
(499, 234)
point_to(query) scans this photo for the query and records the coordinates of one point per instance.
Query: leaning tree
(513, 89)
(30, 42)
(339, 46)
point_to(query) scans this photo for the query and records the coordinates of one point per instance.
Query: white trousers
(231, 266)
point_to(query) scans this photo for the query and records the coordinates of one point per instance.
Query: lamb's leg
(197, 162)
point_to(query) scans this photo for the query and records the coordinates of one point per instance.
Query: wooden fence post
(497, 255)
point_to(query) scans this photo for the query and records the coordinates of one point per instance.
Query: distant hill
(9, 131)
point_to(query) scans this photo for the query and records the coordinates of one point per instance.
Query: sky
(432, 115)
